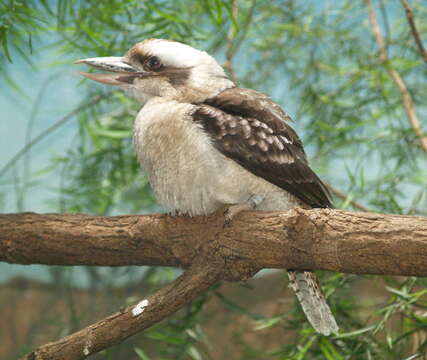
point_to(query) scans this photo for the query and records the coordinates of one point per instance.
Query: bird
(206, 144)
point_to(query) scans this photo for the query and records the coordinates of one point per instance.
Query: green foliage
(19, 22)
(320, 62)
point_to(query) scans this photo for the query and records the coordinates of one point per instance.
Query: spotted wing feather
(251, 129)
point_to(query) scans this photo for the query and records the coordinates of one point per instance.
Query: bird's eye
(153, 63)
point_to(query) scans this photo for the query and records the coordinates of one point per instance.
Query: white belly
(187, 174)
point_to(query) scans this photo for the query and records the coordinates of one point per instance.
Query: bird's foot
(233, 210)
(176, 213)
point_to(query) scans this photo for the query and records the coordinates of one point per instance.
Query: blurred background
(66, 146)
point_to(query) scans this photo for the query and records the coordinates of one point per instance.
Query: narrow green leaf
(141, 354)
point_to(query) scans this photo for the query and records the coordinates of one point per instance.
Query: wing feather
(251, 129)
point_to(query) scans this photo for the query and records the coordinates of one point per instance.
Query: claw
(233, 210)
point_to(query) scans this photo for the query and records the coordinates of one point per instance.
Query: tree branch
(316, 239)
(230, 52)
(345, 197)
(414, 31)
(96, 99)
(132, 319)
(327, 239)
(408, 103)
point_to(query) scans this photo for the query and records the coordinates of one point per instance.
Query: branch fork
(300, 239)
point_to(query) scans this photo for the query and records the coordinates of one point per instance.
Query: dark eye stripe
(141, 58)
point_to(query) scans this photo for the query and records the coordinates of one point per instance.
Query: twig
(415, 33)
(233, 41)
(229, 52)
(406, 96)
(343, 196)
(377, 32)
(28, 135)
(96, 99)
(243, 31)
(385, 22)
(132, 319)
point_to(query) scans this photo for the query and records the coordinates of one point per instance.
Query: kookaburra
(206, 144)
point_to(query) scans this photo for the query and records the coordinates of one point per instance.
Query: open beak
(120, 72)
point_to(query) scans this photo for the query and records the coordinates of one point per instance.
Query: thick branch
(298, 239)
(349, 242)
(132, 319)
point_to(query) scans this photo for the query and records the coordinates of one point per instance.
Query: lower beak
(120, 71)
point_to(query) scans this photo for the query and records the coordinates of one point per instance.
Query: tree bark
(315, 239)
(363, 243)
(131, 319)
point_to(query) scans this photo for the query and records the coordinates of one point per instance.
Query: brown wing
(251, 129)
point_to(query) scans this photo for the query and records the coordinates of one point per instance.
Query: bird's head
(164, 68)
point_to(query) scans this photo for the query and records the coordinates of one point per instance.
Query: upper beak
(120, 70)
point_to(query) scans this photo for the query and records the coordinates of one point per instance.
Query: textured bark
(125, 323)
(316, 239)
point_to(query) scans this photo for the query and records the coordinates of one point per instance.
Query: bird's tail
(313, 302)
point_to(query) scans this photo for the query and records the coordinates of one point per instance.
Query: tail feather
(313, 302)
